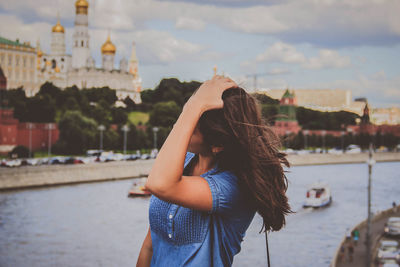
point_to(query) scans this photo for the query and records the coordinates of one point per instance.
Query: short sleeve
(224, 190)
(188, 157)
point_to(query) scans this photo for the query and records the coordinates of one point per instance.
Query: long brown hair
(251, 151)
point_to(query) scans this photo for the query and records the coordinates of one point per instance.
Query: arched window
(53, 63)
(82, 43)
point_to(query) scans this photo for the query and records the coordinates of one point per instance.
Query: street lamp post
(125, 129)
(287, 132)
(155, 130)
(323, 140)
(30, 127)
(374, 141)
(342, 139)
(50, 127)
(370, 162)
(305, 138)
(350, 131)
(101, 128)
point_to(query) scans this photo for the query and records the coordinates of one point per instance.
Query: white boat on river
(318, 195)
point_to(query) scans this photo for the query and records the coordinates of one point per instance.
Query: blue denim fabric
(187, 237)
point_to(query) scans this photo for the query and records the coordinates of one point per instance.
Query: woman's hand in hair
(209, 94)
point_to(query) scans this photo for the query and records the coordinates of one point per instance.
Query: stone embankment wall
(50, 175)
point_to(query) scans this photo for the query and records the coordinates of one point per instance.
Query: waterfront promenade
(360, 252)
(51, 175)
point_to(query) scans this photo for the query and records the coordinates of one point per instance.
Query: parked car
(335, 151)
(382, 149)
(353, 149)
(13, 163)
(58, 160)
(392, 227)
(145, 156)
(43, 161)
(303, 152)
(389, 263)
(33, 161)
(93, 152)
(132, 157)
(154, 153)
(3, 163)
(388, 250)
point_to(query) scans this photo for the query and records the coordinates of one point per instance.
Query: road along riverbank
(360, 251)
(52, 175)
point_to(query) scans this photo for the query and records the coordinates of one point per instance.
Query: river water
(96, 224)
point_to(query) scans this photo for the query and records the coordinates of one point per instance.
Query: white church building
(64, 70)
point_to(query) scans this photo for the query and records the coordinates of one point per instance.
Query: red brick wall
(39, 135)
(8, 134)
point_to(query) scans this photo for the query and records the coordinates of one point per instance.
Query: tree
(130, 104)
(269, 112)
(317, 120)
(71, 104)
(40, 108)
(50, 89)
(77, 133)
(101, 113)
(164, 114)
(19, 152)
(119, 115)
(110, 140)
(264, 99)
(170, 90)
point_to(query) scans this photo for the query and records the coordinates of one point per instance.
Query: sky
(296, 44)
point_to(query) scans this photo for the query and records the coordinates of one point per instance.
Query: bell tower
(80, 45)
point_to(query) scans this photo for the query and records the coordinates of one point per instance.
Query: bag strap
(266, 241)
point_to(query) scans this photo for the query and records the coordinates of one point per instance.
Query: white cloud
(278, 71)
(328, 59)
(331, 23)
(12, 27)
(162, 47)
(154, 47)
(281, 52)
(189, 24)
(286, 53)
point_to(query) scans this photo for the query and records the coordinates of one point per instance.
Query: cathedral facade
(80, 69)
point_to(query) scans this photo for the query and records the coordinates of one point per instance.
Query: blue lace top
(186, 237)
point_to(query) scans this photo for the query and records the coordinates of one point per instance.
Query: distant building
(322, 99)
(367, 127)
(80, 69)
(388, 116)
(3, 81)
(30, 67)
(18, 61)
(286, 121)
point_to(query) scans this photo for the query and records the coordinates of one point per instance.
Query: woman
(204, 200)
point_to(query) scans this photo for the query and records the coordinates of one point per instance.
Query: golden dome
(108, 48)
(58, 27)
(39, 53)
(81, 3)
(81, 6)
